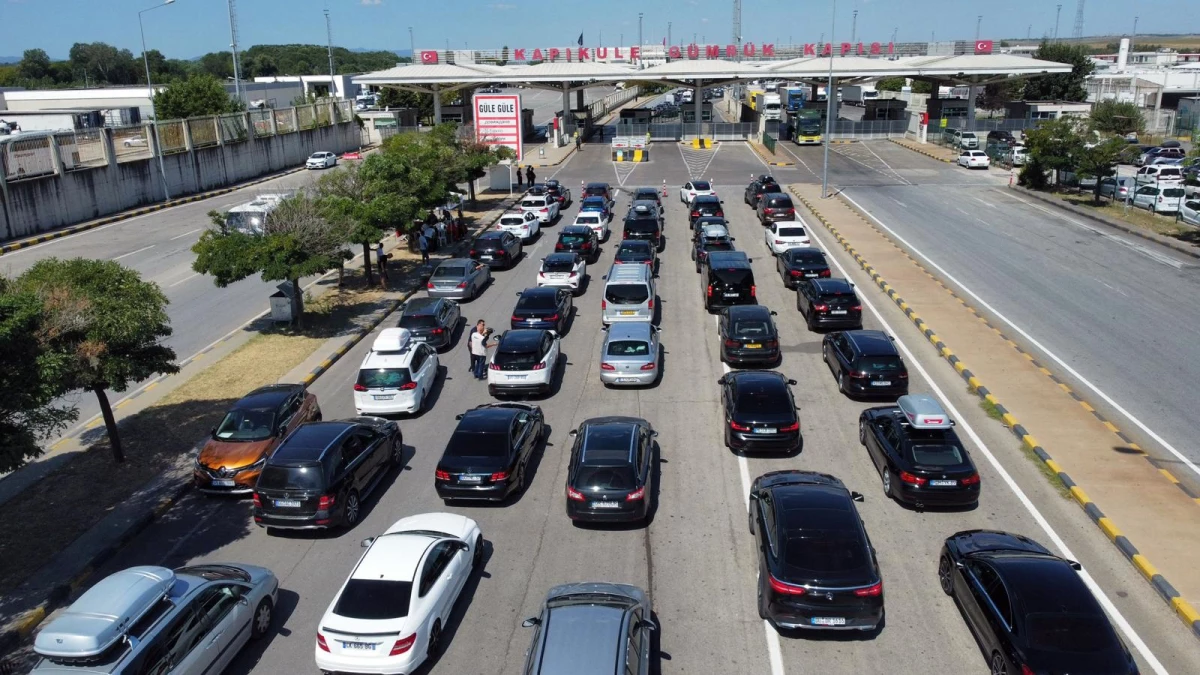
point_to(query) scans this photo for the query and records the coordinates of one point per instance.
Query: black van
(727, 280)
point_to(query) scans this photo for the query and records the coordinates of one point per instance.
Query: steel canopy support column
(579, 99)
(566, 114)
(971, 107)
(437, 104)
(698, 102)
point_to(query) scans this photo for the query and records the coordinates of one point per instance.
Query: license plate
(222, 482)
(731, 295)
(605, 505)
(881, 383)
(486, 257)
(368, 646)
(627, 312)
(470, 479)
(764, 430)
(556, 276)
(943, 483)
(386, 397)
(837, 311)
(810, 275)
(287, 503)
(753, 345)
(517, 377)
(626, 379)
(828, 621)
(533, 320)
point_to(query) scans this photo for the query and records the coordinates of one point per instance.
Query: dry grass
(1138, 217)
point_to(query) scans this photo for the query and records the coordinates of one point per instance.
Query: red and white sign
(983, 46)
(429, 57)
(498, 121)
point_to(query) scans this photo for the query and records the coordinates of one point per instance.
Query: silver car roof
(630, 330)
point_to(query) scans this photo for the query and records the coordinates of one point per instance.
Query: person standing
(530, 175)
(519, 183)
(441, 234)
(578, 141)
(478, 345)
(381, 259)
(423, 245)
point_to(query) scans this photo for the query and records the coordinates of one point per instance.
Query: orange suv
(240, 445)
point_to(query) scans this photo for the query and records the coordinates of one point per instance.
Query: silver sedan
(630, 355)
(458, 278)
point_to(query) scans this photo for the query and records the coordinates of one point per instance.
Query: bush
(1033, 175)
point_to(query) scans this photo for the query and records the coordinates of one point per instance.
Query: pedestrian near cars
(578, 140)
(478, 345)
(530, 175)
(441, 233)
(430, 236)
(519, 177)
(381, 259)
(423, 245)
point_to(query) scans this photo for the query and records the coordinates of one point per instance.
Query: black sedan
(795, 264)
(431, 320)
(705, 205)
(547, 307)
(760, 413)
(648, 194)
(920, 459)
(748, 336)
(816, 566)
(1029, 609)
(612, 466)
(488, 454)
(497, 249)
(578, 239)
(706, 245)
(865, 363)
(643, 229)
(757, 187)
(635, 252)
(828, 303)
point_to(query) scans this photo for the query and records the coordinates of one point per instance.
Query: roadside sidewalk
(1135, 503)
(766, 155)
(930, 150)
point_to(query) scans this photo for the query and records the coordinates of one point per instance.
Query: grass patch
(990, 410)
(1138, 217)
(993, 412)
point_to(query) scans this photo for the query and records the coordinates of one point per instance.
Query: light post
(830, 95)
(412, 47)
(150, 89)
(978, 23)
(854, 28)
(1057, 13)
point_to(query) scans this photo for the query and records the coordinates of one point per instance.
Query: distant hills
(10, 59)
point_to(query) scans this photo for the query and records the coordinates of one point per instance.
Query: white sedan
(1189, 212)
(389, 615)
(695, 188)
(565, 269)
(786, 234)
(974, 159)
(320, 160)
(525, 226)
(595, 220)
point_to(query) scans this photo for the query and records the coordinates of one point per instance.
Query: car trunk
(879, 371)
(422, 327)
(451, 279)
(731, 286)
(291, 491)
(606, 489)
(473, 471)
(839, 306)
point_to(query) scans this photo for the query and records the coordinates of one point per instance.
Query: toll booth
(946, 108)
(885, 109)
(637, 116)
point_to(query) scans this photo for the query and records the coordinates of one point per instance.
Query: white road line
(963, 424)
(1040, 347)
(889, 166)
(987, 204)
(185, 279)
(181, 236)
(878, 171)
(794, 156)
(126, 255)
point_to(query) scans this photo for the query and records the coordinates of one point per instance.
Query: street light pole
(854, 28)
(162, 171)
(329, 48)
(669, 34)
(640, 43)
(830, 95)
(1057, 13)
(978, 23)
(412, 47)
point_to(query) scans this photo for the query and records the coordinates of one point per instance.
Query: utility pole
(1057, 14)
(329, 49)
(830, 97)
(894, 31)
(978, 23)
(669, 34)
(233, 46)
(640, 43)
(854, 28)
(1077, 33)
(1132, 38)
(1029, 32)
(412, 47)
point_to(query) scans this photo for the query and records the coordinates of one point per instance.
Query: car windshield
(701, 185)
(374, 599)
(246, 425)
(450, 272)
(880, 364)
(491, 444)
(384, 378)
(935, 455)
(791, 231)
(818, 554)
(627, 294)
(1068, 632)
(306, 477)
(418, 321)
(756, 399)
(751, 328)
(606, 477)
(628, 348)
(537, 301)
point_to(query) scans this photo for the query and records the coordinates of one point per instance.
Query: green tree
(922, 87)
(346, 198)
(105, 62)
(1066, 86)
(1115, 117)
(1099, 161)
(890, 84)
(1053, 146)
(470, 159)
(216, 64)
(995, 96)
(118, 336)
(34, 65)
(196, 96)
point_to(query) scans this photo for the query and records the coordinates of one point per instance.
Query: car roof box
(392, 340)
(104, 614)
(922, 411)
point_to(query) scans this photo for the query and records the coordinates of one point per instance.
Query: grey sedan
(630, 355)
(458, 278)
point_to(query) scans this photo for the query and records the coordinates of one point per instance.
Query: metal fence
(732, 131)
(132, 143)
(83, 149)
(305, 119)
(285, 120)
(26, 158)
(203, 131)
(171, 137)
(261, 121)
(233, 128)
(870, 129)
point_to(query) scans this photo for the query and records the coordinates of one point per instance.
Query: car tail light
(321, 643)
(326, 502)
(501, 252)
(754, 291)
(461, 284)
(791, 211)
(403, 645)
(473, 252)
(650, 366)
(587, 246)
(517, 318)
(856, 308)
(785, 588)
(973, 479)
(624, 235)
(649, 262)
(907, 477)
(710, 290)
(257, 501)
(650, 304)
(437, 331)
(574, 495)
(695, 214)
(732, 343)
(542, 210)
(872, 591)
(359, 387)
(857, 374)
(603, 304)
(820, 308)
(441, 475)
(493, 366)
(558, 247)
(499, 475)
(795, 426)
(795, 273)
(408, 387)
(636, 495)
(825, 274)
(573, 275)
(738, 427)
(430, 285)
(539, 366)
(779, 242)
(552, 317)
(720, 214)
(607, 366)
(903, 376)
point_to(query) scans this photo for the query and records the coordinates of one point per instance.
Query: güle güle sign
(498, 121)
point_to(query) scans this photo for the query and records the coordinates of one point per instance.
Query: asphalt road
(1121, 312)
(695, 558)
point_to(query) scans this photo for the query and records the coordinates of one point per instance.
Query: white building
(256, 95)
(317, 85)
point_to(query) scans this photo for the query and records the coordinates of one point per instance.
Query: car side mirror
(774, 313)
(959, 565)
(647, 624)
(721, 381)
(458, 416)
(792, 382)
(366, 543)
(573, 432)
(212, 431)
(552, 333)
(753, 495)
(1074, 565)
(531, 622)
(856, 496)
(518, 294)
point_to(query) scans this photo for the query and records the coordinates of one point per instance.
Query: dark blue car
(547, 308)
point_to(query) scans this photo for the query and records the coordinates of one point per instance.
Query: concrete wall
(40, 204)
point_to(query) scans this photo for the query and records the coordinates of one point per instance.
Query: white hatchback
(974, 159)
(523, 225)
(782, 235)
(396, 375)
(565, 269)
(595, 220)
(542, 206)
(695, 188)
(524, 362)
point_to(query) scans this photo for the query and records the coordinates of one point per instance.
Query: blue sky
(190, 28)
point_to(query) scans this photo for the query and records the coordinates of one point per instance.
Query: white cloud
(502, 6)
(372, 2)
(704, 20)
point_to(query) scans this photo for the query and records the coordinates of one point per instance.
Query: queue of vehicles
(817, 570)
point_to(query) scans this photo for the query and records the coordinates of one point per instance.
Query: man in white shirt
(478, 346)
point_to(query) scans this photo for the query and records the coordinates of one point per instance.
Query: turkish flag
(983, 46)
(430, 57)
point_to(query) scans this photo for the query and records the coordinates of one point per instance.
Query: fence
(263, 122)
(172, 137)
(132, 143)
(869, 129)
(305, 118)
(678, 131)
(768, 142)
(27, 157)
(233, 128)
(285, 120)
(82, 149)
(203, 131)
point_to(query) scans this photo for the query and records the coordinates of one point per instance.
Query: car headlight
(257, 466)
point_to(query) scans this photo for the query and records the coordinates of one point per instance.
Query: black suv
(795, 264)
(643, 228)
(488, 455)
(611, 471)
(1000, 137)
(757, 187)
(497, 249)
(817, 568)
(578, 239)
(828, 303)
(705, 205)
(775, 206)
(319, 475)
(431, 320)
(865, 363)
(748, 335)
(648, 194)
(727, 280)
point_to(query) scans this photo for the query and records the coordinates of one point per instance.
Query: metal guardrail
(768, 142)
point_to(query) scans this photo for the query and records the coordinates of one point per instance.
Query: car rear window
(533, 202)
(418, 321)
(800, 256)
(384, 378)
(512, 221)
(572, 238)
(1068, 632)
(537, 301)
(880, 364)
(374, 599)
(732, 275)
(493, 444)
(641, 226)
(606, 477)
(701, 185)
(587, 220)
(516, 360)
(1173, 192)
(628, 348)
(627, 294)
(751, 328)
(595, 191)
(821, 554)
(306, 477)
(781, 200)
(935, 455)
(791, 231)
(754, 400)
(557, 266)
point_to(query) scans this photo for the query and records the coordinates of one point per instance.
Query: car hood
(217, 454)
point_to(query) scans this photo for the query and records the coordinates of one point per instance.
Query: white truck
(772, 107)
(858, 96)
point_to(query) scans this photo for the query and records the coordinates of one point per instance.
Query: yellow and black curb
(1182, 607)
(768, 160)
(844, 141)
(921, 152)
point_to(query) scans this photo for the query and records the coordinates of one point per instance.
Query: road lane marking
(1033, 341)
(187, 278)
(126, 255)
(184, 234)
(881, 161)
(965, 425)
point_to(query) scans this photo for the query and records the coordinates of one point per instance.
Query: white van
(966, 140)
(629, 294)
(1159, 198)
(396, 376)
(1159, 173)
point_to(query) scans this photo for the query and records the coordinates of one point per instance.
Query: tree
(996, 96)
(890, 84)
(296, 241)
(922, 87)
(196, 96)
(34, 65)
(1064, 87)
(216, 64)
(117, 335)
(105, 62)
(1115, 117)
(471, 159)
(345, 197)
(1099, 161)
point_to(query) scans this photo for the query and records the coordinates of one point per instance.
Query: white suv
(396, 376)
(782, 235)
(543, 206)
(520, 224)
(524, 362)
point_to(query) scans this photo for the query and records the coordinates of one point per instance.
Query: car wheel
(435, 641)
(944, 571)
(352, 511)
(264, 613)
(397, 457)
(862, 432)
(762, 603)
(477, 554)
(999, 667)
(842, 382)
(886, 478)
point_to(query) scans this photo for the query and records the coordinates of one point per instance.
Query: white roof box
(392, 340)
(922, 411)
(102, 615)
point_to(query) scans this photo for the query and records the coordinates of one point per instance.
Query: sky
(190, 28)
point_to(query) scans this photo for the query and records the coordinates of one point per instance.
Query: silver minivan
(629, 294)
(592, 628)
(1159, 198)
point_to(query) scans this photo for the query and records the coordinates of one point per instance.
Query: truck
(806, 126)
(792, 97)
(767, 105)
(854, 95)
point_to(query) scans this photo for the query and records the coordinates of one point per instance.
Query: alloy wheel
(477, 555)
(352, 510)
(262, 618)
(999, 667)
(944, 576)
(887, 481)
(862, 432)
(435, 640)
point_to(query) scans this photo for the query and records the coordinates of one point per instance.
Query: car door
(843, 354)
(227, 620)
(355, 470)
(683, 191)
(433, 587)
(803, 299)
(889, 444)
(518, 443)
(176, 648)
(564, 305)
(290, 415)
(635, 645)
